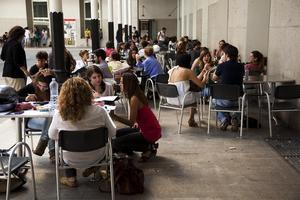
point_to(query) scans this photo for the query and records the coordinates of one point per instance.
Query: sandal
(87, 172)
(192, 123)
(69, 181)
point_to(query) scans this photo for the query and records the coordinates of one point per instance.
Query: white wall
(13, 12)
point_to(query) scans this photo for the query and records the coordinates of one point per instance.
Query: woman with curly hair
(76, 112)
(144, 129)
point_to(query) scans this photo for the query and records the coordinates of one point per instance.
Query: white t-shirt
(94, 117)
(161, 36)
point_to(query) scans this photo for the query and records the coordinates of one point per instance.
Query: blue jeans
(225, 116)
(42, 124)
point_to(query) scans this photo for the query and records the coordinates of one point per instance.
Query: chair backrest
(167, 90)
(162, 78)
(225, 91)
(287, 92)
(83, 140)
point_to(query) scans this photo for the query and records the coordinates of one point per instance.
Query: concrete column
(58, 41)
(110, 20)
(179, 19)
(119, 36)
(95, 25)
(126, 19)
(183, 25)
(130, 18)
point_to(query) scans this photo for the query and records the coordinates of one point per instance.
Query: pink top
(252, 67)
(148, 124)
(109, 51)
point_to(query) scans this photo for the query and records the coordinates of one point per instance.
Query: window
(87, 15)
(40, 10)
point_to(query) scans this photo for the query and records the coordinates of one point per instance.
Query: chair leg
(269, 113)
(57, 170)
(208, 118)
(111, 169)
(199, 114)
(158, 112)
(181, 116)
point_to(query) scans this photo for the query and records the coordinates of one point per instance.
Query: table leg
(19, 134)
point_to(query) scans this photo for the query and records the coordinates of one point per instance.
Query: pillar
(95, 25)
(110, 21)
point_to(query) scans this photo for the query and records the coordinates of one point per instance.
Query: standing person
(135, 33)
(87, 36)
(144, 129)
(119, 36)
(229, 72)
(161, 36)
(27, 37)
(14, 57)
(44, 37)
(76, 112)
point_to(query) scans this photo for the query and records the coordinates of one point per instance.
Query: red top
(148, 124)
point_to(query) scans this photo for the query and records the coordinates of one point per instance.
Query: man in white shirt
(161, 36)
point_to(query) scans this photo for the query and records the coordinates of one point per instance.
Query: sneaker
(234, 125)
(223, 126)
(147, 155)
(69, 181)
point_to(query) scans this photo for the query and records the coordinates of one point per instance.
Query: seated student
(180, 76)
(229, 72)
(109, 48)
(115, 65)
(144, 128)
(38, 90)
(151, 66)
(256, 63)
(82, 63)
(131, 60)
(99, 87)
(203, 62)
(101, 63)
(41, 63)
(76, 112)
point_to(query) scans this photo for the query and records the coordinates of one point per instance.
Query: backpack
(128, 178)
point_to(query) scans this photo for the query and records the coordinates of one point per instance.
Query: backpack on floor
(128, 178)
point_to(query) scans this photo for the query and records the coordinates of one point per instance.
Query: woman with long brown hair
(76, 112)
(144, 128)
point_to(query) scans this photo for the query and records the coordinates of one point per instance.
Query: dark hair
(42, 55)
(183, 60)
(100, 53)
(94, 69)
(131, 88)
(110, 45)
(173, 39)
(196, 43)
(259, 57)
(115, 56)
(130, 60)
(144, 43)
(222, 41)
(231, 51)
(16, 33)
(163, 28)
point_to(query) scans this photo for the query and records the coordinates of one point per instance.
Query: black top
(23, 93)
(34, 69)
(195, 54)
(231, 72)
(14, 56)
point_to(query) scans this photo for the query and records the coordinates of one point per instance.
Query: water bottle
(53, 94)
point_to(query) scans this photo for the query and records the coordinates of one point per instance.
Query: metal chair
(12, 165)
(285, 100)
(83, 141)
(226, 92)
(151, 82)
(170, 91)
